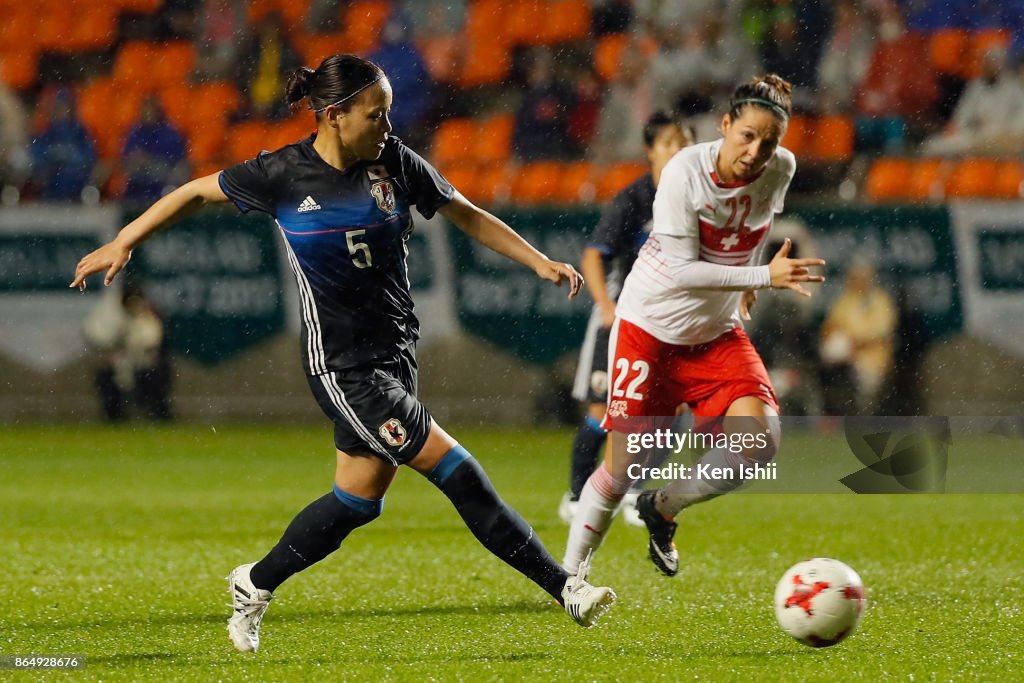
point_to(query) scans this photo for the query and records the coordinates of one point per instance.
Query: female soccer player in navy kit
(342, 200)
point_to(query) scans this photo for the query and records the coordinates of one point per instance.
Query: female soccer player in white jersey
(342, 199)
(678, 335)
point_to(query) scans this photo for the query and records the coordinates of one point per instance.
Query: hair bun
(300, 84)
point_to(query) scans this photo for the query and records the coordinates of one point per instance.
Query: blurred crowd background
(531, 101)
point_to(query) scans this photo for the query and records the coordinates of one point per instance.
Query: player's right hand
(111, 257)
(788, 273)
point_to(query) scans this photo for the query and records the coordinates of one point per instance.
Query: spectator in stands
(136, 369)
(586, 109)
(223, 28)
(63, 157)
(542, 119)
(268, 55)
(678, 70)
(625, 108)
(846, 57)
(857, 342)
(989, 116)
(14, 160)
(900, 88)
(411, 83)
(153, 160)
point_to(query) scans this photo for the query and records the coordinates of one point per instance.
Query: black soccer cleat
(661, 547)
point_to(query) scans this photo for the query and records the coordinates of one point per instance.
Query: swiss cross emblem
(384, 194)
(392, 432)
(741, 239)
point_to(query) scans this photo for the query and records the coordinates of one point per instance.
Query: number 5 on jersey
(360, 251)
(641, 368)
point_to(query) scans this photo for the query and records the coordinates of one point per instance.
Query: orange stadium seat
(206, 144)
(19, 68)
(246, 140)
(537, 182)
(51, 34)
(462, 176)
(96, 29)
(796, 134)
(617, 176)
(293, 129)
(490, 185)
(524, 22)
(453, 141)
(576, 183)
(364, 21)
(832, 138)
(947, 48)
(565, 20)
(134, 63)
(485, 20)
(177, 104)
(888, 179)
(315, 48)
(487, 61)
(493, 141)
(440, 54)
(174, 63)
(213, 103)
(972, 179)
(981, 42)
(928, 179)
(1009, 180)
(608, 54)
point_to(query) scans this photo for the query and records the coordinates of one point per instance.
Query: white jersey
(686, 284)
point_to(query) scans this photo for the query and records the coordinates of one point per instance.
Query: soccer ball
(819, 602)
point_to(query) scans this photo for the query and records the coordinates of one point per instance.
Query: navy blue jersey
(622, 229)
(345, 232)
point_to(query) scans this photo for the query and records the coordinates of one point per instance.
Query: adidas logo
(308, 204)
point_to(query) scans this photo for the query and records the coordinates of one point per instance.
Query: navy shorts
(374, 408)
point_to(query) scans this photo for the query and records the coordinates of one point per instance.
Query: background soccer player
(607, 259)
(342, 199)
(678, 335)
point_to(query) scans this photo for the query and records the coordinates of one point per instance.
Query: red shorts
(650, 378)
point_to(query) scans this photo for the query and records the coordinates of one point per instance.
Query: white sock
(682, 493)
(598, 502)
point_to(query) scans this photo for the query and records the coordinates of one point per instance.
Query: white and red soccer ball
(819, 602)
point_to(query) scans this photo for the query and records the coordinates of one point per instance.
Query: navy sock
(497, 526)
(586, 447)
(315, 533)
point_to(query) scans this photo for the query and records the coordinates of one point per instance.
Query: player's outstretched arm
(493, 233)
(174, 206)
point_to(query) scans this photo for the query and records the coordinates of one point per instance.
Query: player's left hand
(747, 302)
(561, 272)
(111, 257)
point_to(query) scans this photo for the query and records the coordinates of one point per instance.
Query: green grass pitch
(116, 541)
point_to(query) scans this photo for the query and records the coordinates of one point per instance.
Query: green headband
(768, 103)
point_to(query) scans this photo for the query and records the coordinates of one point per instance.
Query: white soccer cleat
(249, 603)
(583, 602)
(567, 508)
(630, 515)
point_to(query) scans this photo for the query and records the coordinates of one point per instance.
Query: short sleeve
(428, 189)
(249, 185)
(611, 226)
(674, 213)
